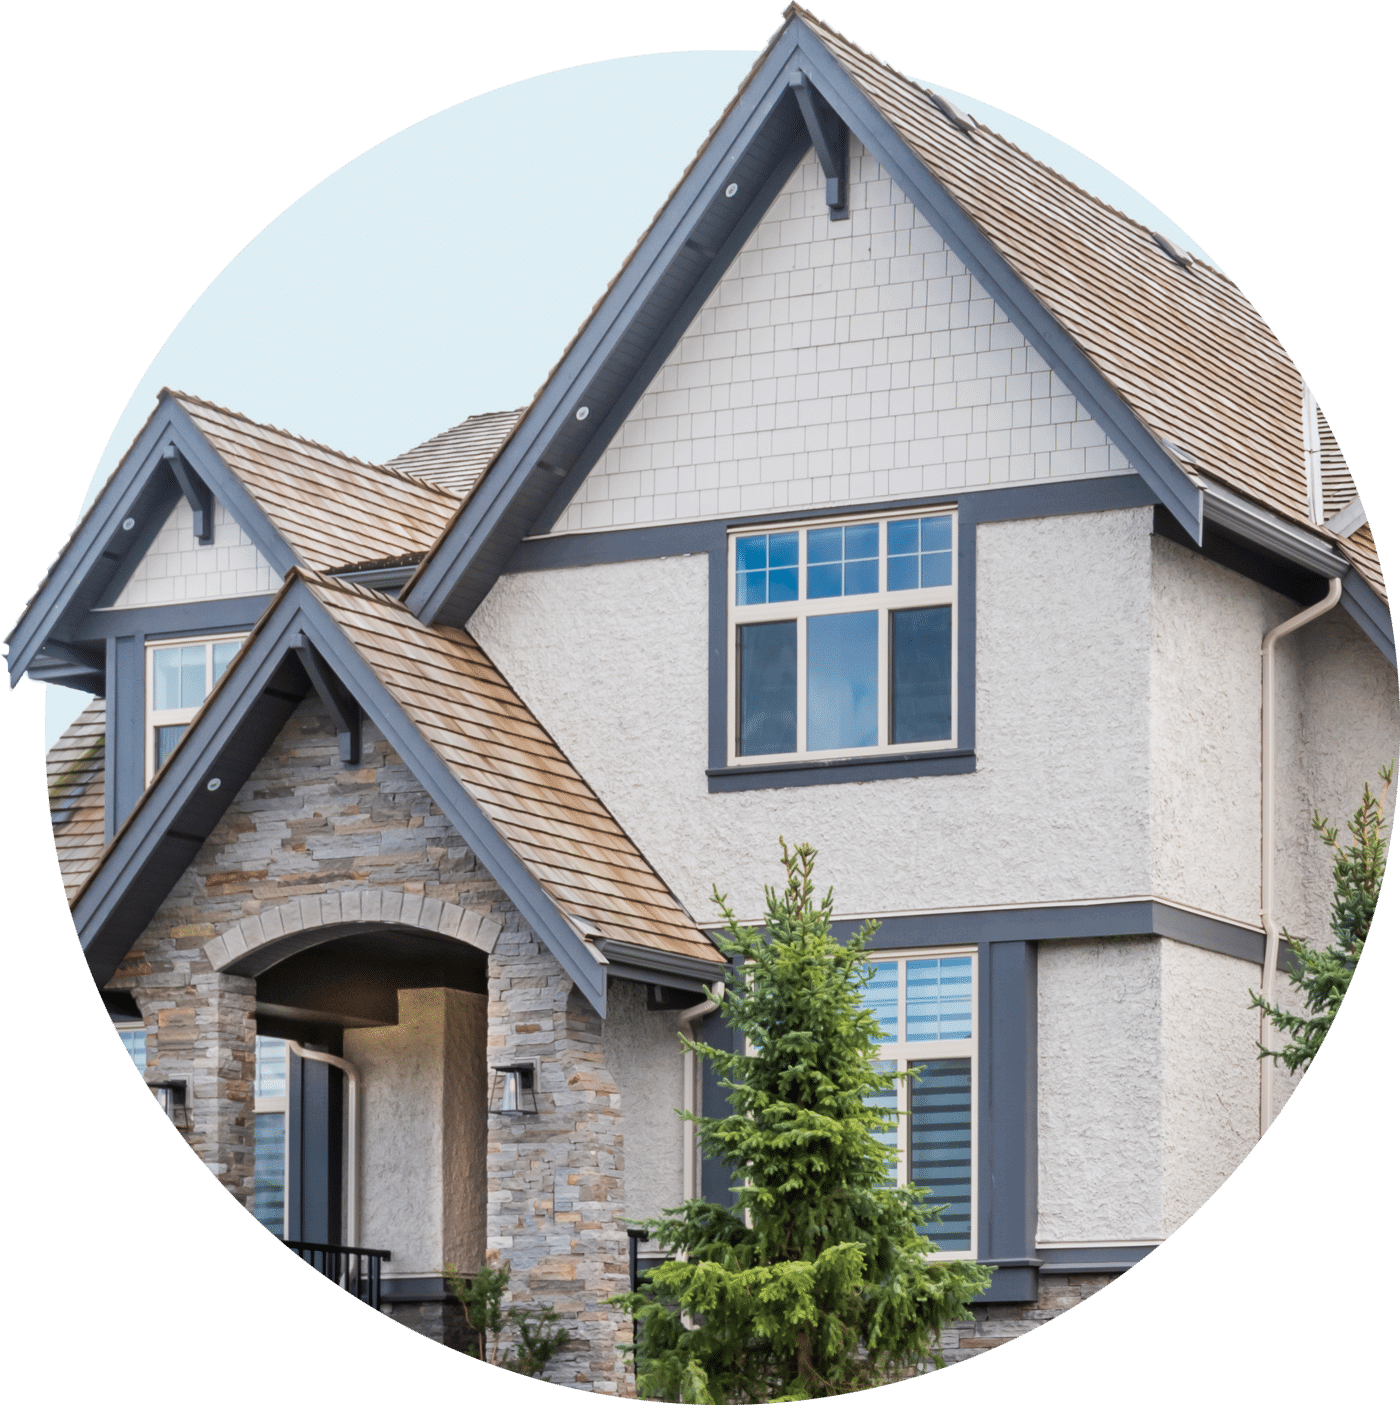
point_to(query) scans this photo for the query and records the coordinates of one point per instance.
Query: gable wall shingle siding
(177, 568)
(839, 361)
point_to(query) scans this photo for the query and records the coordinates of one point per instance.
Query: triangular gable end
(123, 524)
(230, 735)
(604, 373)
(839, 361)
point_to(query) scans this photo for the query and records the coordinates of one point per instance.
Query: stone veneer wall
(555, 1193)
(305, 825)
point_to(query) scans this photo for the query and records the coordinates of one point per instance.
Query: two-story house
(897, 495)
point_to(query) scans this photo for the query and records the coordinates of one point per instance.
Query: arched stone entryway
(395, 985)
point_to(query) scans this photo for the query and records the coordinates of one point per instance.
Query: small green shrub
(539, 1341)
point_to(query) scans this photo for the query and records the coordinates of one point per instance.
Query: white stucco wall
(1210, 1073)
(1337, 719)
(643, 1053)
(839, 361)
(176, 568)
(613, 661)
(423, 1150)
(1102, 1127)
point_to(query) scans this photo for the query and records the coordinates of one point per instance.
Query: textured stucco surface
(1207, 623)
(423, 1133)
(175, 566)
(643, 1050)
(839, 361)
(1211, 1075)
(1058, 807)
(1336, 719)
(1101, 1125)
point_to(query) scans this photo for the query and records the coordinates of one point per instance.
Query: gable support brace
(196, 492)
(344, 710)
(830, 140)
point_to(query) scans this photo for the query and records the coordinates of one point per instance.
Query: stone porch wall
(555, 1191)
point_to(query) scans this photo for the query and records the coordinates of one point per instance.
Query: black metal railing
(356, 1270)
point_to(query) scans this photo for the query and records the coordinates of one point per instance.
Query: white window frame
(903, 1052)
(883, 600)
(177, 716)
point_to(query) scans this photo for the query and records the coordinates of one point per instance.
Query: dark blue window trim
(1007, 943)
(1011, 503)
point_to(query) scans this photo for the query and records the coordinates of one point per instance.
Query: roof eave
(101, 553)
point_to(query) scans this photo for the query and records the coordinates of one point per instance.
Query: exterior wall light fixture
(513, 1090)
(171, 1097)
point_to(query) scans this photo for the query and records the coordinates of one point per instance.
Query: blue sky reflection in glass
(938, 999)
(842, 681)
(843, 561)
(767, 569)
(920, 553)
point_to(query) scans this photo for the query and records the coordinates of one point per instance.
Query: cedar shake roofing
(513, 770)
(331, 508)
(456, 458)
(77, 794)
(1184, 348)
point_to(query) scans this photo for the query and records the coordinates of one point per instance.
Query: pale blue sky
(442, 273)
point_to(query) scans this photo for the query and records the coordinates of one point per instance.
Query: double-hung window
(843, 638)
(927, 1006)
(179, 676)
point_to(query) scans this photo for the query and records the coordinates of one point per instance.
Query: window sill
(836, 771)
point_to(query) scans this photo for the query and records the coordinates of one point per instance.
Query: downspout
(352, 1171)
(1266, 835)
(687, 1019)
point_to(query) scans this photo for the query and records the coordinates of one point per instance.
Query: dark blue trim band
(1370, 612)
(221, 615)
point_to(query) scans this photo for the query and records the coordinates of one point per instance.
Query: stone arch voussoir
(377, 907)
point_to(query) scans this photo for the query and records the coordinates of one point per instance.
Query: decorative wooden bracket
(196, 492)
(830, 140)
(344, 710)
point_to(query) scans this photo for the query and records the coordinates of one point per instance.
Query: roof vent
(952, 111)
(1173, 251)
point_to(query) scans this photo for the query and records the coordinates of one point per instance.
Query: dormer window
(179, 675)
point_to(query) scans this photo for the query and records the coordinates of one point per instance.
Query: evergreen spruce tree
(817, 1281)
(1323, 976)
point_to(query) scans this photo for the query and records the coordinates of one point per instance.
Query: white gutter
(1266, 835)
(352, 1118)
(1262, 528)
(687, 1019)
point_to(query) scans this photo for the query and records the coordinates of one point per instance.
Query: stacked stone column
(554, 1180)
